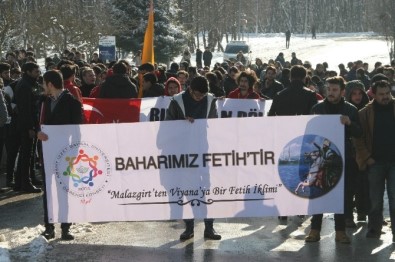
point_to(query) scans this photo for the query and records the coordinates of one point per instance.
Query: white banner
(154, 109)
(233, 167)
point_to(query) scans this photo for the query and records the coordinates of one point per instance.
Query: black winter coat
(295, 100)
(342, 108)
(68, 111)
(118, 86)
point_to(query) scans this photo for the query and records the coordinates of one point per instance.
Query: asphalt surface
(243, 239)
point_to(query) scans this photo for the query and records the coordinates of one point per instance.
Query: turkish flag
(102, 111)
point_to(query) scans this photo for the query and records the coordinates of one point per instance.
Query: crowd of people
(363, 98)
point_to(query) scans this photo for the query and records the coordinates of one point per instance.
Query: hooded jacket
(354, 85)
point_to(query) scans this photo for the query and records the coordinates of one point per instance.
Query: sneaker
(342, 237)
(350, 223)
(314, 236)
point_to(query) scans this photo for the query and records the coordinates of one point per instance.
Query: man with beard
(376, 154)
(245, 81)
(270, 86)
(335, 104)
(27, 122)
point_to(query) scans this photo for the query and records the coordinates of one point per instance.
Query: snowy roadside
(27, 244)
(333, 48)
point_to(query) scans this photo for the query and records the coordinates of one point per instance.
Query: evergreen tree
(131, 19)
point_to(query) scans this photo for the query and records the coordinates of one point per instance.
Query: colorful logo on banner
(82, 170)
(310, 166)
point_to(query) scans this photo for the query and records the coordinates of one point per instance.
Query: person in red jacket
(68, 73)
(245, 81)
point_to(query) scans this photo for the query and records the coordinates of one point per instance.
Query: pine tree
(131, 20)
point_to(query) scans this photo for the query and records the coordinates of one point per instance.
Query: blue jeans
(381, 174)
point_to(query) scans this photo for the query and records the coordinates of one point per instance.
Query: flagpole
(148, 55)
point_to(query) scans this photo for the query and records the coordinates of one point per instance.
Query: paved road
(249, 239)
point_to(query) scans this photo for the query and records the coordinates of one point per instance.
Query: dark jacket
(118, 86)
(25, 100)
(272, 90)
(295, 100)
(155, 91)
(86, 89)
(342, 108)
(229, 85)
(67, 111)
(3, 110)
(207, 56)
(364, 144)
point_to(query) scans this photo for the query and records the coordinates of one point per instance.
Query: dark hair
(10, 54)
(30, 53)
(271, 68)
(360, 71)
(147, 67)
(64, 62)
(54, 77)
(390, 69)
(285, 72)
(381, 84)
(234, 70)
(49, 64)
(200, 84)
(120, 68)
(298, 72)
(250, 75)
(192, 69)
(219, 75)
(337, 80)
(341, 66)
(212, 78)
(29, 66)
(67, 71)
(174, 67)
(4, 67)
(150, 77)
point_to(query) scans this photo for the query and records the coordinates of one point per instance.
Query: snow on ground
(333, 48)
(28, 245)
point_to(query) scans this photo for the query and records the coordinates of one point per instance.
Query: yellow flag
(148, 46)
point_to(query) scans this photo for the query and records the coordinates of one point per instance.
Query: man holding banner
(194, 103)
(60, 108)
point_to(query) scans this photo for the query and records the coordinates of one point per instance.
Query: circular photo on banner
(310, 166)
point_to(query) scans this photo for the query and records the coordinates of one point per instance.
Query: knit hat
(378, 77)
